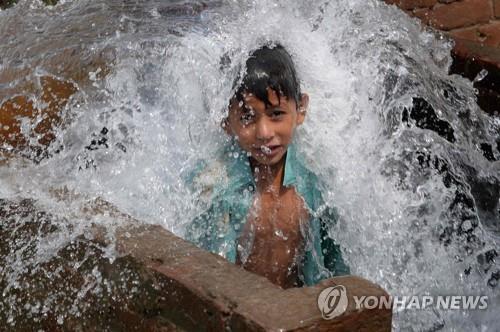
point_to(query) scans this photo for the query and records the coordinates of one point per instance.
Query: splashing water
(404, 153)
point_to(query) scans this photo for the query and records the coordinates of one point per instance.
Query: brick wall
(474, 20)
(475, 27)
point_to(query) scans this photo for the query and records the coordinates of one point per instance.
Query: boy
(263, 202)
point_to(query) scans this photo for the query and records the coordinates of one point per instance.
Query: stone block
(240, 300)
(457, 14)
(156, 282)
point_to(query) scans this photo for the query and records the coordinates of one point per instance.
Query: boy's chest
(271, 243)
(278, 215)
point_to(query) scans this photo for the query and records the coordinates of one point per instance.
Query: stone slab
(243, 300)
(155, 281)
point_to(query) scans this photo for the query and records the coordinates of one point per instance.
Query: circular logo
(332, 301)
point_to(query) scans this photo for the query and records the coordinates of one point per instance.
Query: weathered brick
(496, 7)
(486, 34)
(412, 4)
(457, 14)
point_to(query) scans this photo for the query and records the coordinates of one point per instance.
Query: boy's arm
(199, 230)
(211, 229)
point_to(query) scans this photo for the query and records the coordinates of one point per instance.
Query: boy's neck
(268, 177)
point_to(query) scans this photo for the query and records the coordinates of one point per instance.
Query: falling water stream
(404, 153)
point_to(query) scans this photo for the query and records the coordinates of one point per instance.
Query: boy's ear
(302, 108)
(225, 125)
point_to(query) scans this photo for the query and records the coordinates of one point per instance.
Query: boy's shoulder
(225, 170)
(205, 176)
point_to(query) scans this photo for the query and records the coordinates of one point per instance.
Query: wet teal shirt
(226, 187)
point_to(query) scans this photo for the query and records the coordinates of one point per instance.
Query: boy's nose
(264, 130)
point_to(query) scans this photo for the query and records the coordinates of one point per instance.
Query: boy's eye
(276, 113)
(247, 117)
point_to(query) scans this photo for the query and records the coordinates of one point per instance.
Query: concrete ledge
(158, 282)
(219, 295)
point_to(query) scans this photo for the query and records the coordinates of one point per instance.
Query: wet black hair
(269, 67)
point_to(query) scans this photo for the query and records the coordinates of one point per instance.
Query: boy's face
(265, 132)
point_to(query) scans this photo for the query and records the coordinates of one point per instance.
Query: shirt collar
(240, 172)
(290, 179)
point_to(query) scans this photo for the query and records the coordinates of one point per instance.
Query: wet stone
(76, 289)
(158, 282)
(15, 112)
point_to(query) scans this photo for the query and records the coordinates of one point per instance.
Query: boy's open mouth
(269, 150)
